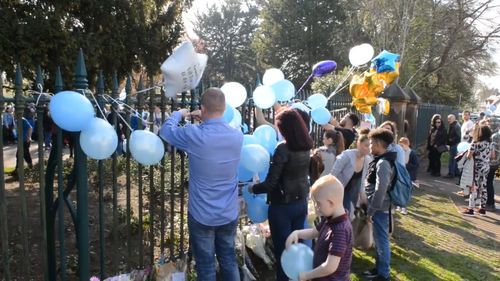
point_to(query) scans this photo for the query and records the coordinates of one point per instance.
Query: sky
(492, 17)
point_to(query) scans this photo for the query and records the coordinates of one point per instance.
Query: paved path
(489, 223)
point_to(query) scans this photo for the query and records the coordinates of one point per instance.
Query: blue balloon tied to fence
(71, 111)
(98, 140)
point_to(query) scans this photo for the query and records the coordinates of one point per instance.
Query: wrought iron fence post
(100, 104)
(115, 112)
(4, 233)
(41, 107)
(128, 90)
(80, 83)
(140, 104)
(20, 100)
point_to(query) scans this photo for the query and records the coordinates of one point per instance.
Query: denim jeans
(207, 242)
(283, 219)
(490, 189)
(452, 163)
(381, 237)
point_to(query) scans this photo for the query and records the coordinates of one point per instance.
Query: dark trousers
(283, 219)
(434, 161)
(26, 154)
(490, 189)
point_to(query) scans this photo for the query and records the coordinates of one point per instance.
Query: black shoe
(380, 278)
(490, 208)
(372, 273)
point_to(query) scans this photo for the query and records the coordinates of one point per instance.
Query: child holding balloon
(333, 251)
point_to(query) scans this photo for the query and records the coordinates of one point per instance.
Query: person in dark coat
(436, 145)
(454, 137)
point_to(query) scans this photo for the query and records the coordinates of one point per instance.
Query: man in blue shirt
(214, 150)
(27, 131)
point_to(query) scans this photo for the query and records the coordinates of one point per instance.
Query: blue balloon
(98, 140)
(385, 61)
(146, 147)
(267, 136)
(463, 146)
(301, 106)
(71, 111)
(250, 139)
(322, 68)
(321, 115)
(317, 100)
(257, 208)
(263, 174)
(284, 90)
(244, 175)
(228, 114)
(296, 259)
(254, 158)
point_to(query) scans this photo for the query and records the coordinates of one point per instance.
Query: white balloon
(183, 69)
(146, 147)
(360, 54)
(236, 122)
(264, 97)
(272, 75)
(98, 140)
(235, 93)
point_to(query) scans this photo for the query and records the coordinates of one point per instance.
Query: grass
(433, 242)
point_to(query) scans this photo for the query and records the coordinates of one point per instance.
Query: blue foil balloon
(296, 259)
(284, 90)
(71, 111)
(321, 115)
(385, 61)
(267, 137)
(322, 68)
(228, 114)
(98, 140)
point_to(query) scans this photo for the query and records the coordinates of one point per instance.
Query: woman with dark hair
(287, 183)
(333, 146)
(481, 151)
(436, 145)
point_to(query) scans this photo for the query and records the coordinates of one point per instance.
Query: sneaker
(380, 278)
(482, 212)
(415, 184)
(372, 273)
(398, 209)
(404, 211)
(468, 212)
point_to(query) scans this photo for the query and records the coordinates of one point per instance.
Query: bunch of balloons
(73, 112)
(365, 88)
(296, 259)
(255, 160)
(275, 88)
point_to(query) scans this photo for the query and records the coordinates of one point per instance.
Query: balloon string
(130, 109)
(305, 83)
(118, 114)
(40, 94)
(95, 100)
(337, 89)
(148, 89)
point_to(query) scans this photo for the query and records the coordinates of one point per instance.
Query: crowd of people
(474, 167)
(354, 169)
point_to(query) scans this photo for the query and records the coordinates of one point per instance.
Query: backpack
(402, 187)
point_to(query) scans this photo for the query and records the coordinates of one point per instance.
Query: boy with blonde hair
(333, 251)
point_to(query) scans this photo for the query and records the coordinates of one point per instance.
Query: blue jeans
(382, 246)
(207, 242)
(452, 163)
(283, 219)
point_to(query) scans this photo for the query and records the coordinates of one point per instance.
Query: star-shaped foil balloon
(385, 62)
